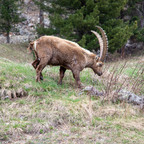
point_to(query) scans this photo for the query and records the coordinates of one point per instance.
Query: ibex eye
(100, 65)
(96, 57)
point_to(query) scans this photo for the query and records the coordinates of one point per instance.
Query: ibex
(55, 51)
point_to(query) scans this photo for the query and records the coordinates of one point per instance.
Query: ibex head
(97, 66)
(103, 42)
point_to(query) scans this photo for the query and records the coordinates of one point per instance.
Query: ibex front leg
(76, 75)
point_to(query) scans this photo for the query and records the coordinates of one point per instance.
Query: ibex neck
(89, 59)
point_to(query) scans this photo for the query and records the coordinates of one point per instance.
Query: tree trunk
(41, 16)
(142, 18)
(140, 12)
(8, 37)
(123, 52)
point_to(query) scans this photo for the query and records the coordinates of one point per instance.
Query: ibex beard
(55, 51)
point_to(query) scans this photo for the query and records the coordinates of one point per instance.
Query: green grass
(54, 113)
(57, 113)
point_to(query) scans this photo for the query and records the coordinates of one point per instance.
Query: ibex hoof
(81, 86)
(41, 77)
(59, 83)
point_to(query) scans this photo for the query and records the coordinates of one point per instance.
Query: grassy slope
(15, 52)
(60, 114)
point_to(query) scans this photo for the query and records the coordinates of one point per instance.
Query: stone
(31, 25)
(122, 95)
(93, 91)
(3, 94)
(20, 93)
(130, 97)
(10, 94)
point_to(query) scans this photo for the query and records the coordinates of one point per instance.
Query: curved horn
(100, 41)
(104, 45)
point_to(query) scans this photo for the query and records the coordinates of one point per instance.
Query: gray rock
(130, 97)
(19, 38)
(10, 94)
(6, 97)
(31, 25)
(3, 94)
(92, 91)
(27, 28)
(26, 1)
(122, 95)
(20, 93)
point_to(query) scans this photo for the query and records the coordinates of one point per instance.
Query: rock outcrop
(26, 30)
(122, 95)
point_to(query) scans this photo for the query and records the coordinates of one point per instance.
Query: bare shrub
(116, 78)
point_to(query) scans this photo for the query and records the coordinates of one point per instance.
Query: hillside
(50, 113)
(15, 52)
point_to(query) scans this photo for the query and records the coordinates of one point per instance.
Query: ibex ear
(31, 43)
(97, 58)
(30, 46)
(99, 64)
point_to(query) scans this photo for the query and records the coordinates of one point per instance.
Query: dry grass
(15, 52)
(60, 114)
(126, 74)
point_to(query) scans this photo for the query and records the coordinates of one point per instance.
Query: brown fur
(51, 50)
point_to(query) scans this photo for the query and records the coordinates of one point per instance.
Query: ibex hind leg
(35, 64)
(40, 67)
(62, 72)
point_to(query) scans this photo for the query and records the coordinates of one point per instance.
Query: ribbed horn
(100, 42)
(105, 44)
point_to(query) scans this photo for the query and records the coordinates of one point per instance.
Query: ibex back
(51, 50)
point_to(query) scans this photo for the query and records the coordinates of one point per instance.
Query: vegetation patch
(51, 113)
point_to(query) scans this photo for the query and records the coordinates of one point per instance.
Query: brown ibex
(51, 50)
